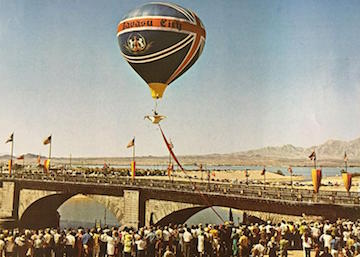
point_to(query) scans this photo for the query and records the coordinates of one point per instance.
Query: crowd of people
(320, 239)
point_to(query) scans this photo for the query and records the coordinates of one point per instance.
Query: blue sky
(271, 73)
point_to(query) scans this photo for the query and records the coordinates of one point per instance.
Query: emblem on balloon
(136, 43)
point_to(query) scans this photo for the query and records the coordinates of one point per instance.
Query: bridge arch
(180, 216)
(43, 212)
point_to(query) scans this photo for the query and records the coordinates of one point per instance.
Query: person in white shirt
(141, 246)
(187, 239)
(307, 242)
(326, 239)
(70, 243)
(201, 243)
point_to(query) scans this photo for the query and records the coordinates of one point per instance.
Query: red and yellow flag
(133, 169)
(46, 165)
(316, 179)
(347, 178)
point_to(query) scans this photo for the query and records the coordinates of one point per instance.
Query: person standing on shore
(187, 242)
(306, 242)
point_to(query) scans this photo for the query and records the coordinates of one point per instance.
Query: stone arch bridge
(31, 200)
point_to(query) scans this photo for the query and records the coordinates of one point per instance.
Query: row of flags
(312, 156)
(316, 174)
(47, 141)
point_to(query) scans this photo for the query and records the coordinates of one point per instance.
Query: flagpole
(345, 161)
(50, 152)
(134, 153)
(11, 154)
(133, 175)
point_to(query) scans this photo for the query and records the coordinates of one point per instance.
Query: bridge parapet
(239, 196)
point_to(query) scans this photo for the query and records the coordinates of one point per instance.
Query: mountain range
(331, 149)
(330, 153)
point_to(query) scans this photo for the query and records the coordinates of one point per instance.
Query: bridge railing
(243, 190)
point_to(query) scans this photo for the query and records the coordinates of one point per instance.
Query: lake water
(301, 171)
(86, 212)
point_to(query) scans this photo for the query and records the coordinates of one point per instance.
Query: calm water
(302, 171)
(85, 212)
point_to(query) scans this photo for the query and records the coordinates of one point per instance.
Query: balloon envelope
(161, 41)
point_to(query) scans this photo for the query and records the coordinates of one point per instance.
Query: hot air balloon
(161, 41)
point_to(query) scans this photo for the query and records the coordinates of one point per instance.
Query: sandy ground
(240, 175)
(255, 175)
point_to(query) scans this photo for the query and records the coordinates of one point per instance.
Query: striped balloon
(161, 41)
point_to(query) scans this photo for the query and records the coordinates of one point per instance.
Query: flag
(21, 157)
(46, 165)
(263, 172)
(345, 157)
(347, 177)
(10, 139)
(38, 159)
(316, 178)
(290, 170)
(131, 143)
(47, 140)
(312, 156)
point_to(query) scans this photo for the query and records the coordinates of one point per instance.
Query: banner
(170, 169)
(46, 165)
(316, 179)
(347, 178)
(133, 169)
(10, 167)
